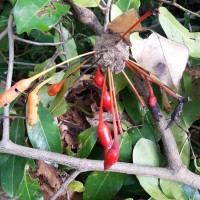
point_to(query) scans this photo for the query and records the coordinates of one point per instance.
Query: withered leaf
(123, 22)
(164, 58)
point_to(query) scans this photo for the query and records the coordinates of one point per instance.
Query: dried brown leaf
(123, 22)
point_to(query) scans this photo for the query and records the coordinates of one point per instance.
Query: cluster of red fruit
(111, 147)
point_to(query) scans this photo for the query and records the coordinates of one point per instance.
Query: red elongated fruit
(98, 78)
(104, 134)
(106, 100)
(54, 89)
(112, 155)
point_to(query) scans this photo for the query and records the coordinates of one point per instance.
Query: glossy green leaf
(125, 5)
(102, 183)
(76, 186)
(12, 171)
(45, 134)
(178, 33)
(40, 67)
(87, 3)
(146, 152)
(29, 189)
(132, 106)
(86, 140)
(41, 15)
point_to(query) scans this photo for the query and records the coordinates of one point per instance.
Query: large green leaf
(12, 171)
(41, 15)
(45, 134)
(102, 183)
(178, 33)
(146, 152)
(125, 5)
(29, 189)
(132, 106)
(86, 140)
(87, 3)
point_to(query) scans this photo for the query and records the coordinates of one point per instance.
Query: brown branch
(173, 3)
(88, 18)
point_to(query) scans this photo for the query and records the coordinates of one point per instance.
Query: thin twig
(3, 33)
(6, 122)
(107, 15)
(173, 3)
(63, 187)
(39, 43)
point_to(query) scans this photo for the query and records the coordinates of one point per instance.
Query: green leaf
(40, 67)
(41, 15)
(12, 171)
(102, 183)
(190, 193)
(146, 152)
(147, 131)
(29, 189)
(191, 112)
(125, 148)
(127, 189)
(87, 3)
(178, 33)
(70, 46)
(86, 140)
(45, 134)
(132, 105)
(125, 5)
(120, 82)
(171, 189)
(76, 186)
